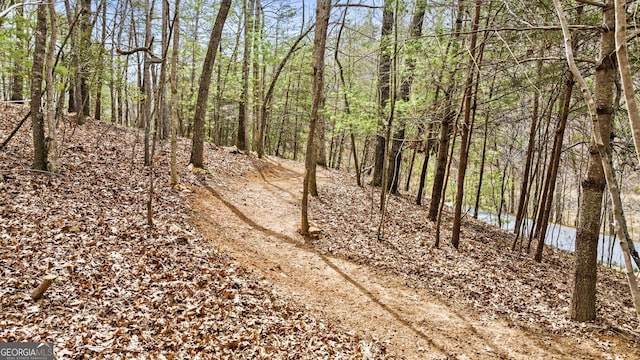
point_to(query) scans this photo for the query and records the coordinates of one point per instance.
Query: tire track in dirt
(359, 298)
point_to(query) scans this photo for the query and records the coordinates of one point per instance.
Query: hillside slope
(224, 274)
(124, 289)
(483, 302)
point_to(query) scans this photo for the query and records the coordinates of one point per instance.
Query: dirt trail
(255, 220)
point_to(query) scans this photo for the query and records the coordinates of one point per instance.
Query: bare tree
(100, 78)
(162, 115)
(548, 190)
(449, 115)
(323, 11)
(612, 185)
(145, 100)
(466, 126)
(243, 106)
(583, 299)
(384, 68)
(197, 148)
(80, 41)
(173, 77)
(345, 98)
(415, 31)
(17, 78)
(265, 109)
(51, 139)
(37, 119)
(625, 71)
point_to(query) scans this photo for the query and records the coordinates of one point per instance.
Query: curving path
(255, 219)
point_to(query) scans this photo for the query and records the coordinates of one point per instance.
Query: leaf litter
(479, 292)
(125, 289)
(485, 275)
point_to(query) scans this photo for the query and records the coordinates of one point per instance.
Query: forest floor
(422, 303)
(124, 289)
(223, 273)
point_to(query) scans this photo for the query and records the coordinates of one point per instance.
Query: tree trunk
(321, 155)
(163, 109)
(257, 93)
(283, 120)
(101, 68)
(395, 159)
(447, 121)
(410, 170)
(17, 77)
(415, 32)
(474, 110)
(620, 221)
(220, 127)
(345, 98)
(85, 43)
(296, 112)
(51, 139)
(625, 72)
(466, 127)
(629, 94)
(73, 36)
(265, 110)
(37, 120)
(145, 100)
(546, 200)
(117, 80)
(583, 299)
(80, 42)
(540, 167)
(425, 164)
(338, 158)
(323, 11)
(384, 67)
(524, 186)
(393, 70)
(197, 148)
(173, 77)
(441, 161)
(483, 159)
(243, 106)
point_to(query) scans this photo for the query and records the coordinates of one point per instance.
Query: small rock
(232, 149)
(314, 232)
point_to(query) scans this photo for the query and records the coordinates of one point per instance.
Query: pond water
(564, 237)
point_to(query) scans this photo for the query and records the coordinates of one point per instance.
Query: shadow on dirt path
(305, 247)
(255, 220)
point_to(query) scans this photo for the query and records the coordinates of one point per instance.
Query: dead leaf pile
(125, 289)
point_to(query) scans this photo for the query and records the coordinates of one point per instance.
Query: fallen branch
(47, 280)
(24, 119)
(45, 172)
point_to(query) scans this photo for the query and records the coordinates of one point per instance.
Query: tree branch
(361, 5)
(4, 143)
(134, 50)
(519, 29)
(593, 3)
(283, 62)
(557, 58)
(6, 11)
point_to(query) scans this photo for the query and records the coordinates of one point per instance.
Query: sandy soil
(255, 218)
